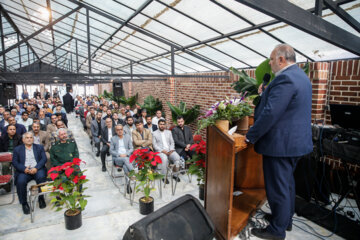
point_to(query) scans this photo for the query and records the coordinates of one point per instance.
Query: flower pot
(243, 124)
(146, 207)
(222, 124)
(72, 220)
(201, 191)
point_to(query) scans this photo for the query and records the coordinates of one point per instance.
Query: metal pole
(131, 69)
(28, 52)
(88, 37)
(172, 61)
(2, 41)
(18, 38)
(77, 56)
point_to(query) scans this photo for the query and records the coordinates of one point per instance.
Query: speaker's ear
(182, 219)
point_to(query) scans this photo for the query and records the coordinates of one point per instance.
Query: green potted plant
(126, 101)
(224, 112)
(152, 105)
(197, 163)
(146, 162)
(68, 192)
(189, 114)
(249, 85)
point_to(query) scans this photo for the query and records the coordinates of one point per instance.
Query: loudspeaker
(68, 87)
(118, 89)
(9, 90)
(182, 219)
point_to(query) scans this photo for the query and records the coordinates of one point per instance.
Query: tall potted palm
(151, 105)
(189, 114)
(68, 192)
(147, 162)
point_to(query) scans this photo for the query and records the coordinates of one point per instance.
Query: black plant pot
(72, 222)
(146, 207)
(201, 191)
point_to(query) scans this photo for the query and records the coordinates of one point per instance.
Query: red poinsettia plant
(146, 162)
(197, 161)
(67, 187)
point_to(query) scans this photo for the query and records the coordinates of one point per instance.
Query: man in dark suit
(282, 134)
(29, 161)
(20, 129)
(183, 138)
(68, 102)
(149, 125)
(106, 134)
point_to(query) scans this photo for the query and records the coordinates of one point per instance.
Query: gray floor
(108, 214)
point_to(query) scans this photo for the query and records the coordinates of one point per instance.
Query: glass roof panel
(112, 7)
(250, 14)
(165, 31)
(204, 9)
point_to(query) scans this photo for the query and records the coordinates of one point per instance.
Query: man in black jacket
(183, 138)
(68, 102)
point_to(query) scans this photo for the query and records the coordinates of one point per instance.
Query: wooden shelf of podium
(229, 168)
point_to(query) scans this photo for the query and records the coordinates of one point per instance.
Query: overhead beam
(301, 19)
(54, 50)
(2, 41)
(318, 7)
(16, 29)
(39, 31)
(343, 15)
(39, 75)
(88, 38)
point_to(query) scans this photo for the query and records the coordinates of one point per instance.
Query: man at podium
(282, 134)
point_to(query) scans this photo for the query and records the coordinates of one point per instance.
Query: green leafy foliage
(152, 105)
(127, 101)
(190, 114)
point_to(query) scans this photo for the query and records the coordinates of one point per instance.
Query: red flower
(77, 161)
(66, 165)
(153, 163)
(193, 146)
(53, 176)
(76, 179)
(69, 171)
(83, 177)
(60, 187)
(158, 159)
(197, 138)
(132, 157)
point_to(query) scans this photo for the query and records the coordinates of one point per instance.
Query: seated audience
(37, 120)
(52, 126)
(143, 115)
(41, 137)
(149, 124)
(25, 120)
(20, 129)
(106, 135)
(43, 119)
(96, 127)
(122, 114)
(89, 118)
(15, 114)
(4, 122)
(64, 150)
(158, 116)
(141, 137)
(54, 136)
(121, 148)
(129, 127)
(29, 161)
(10, 140)
(183, 139)
(116, 120)
(127, 108)
(163, 142)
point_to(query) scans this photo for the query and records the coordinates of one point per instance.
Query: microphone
(266, 80)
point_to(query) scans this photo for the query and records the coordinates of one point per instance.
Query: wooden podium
(229, 169)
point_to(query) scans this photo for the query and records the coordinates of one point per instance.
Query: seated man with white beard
(163, 142)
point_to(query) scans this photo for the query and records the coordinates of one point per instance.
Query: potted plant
(225, 111)
(197, 163)
(152, 105)
(146, 162)
(68, 192)
(189, 115)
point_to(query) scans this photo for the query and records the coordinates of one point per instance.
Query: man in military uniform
(64, 150)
